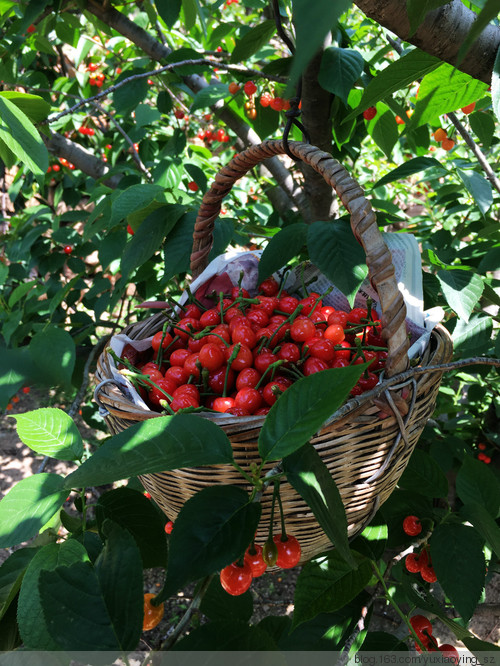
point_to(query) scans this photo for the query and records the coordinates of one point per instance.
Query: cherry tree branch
(159, 52)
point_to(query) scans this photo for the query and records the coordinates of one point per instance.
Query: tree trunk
(441, 34)
(316, 117)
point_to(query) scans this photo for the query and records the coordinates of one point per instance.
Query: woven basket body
(366, 454)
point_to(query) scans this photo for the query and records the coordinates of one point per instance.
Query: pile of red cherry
(241, 354)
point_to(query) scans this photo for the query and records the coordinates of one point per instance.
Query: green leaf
(217, 604)
(473, 337)
(11, 576)
(265, 123)
(482, 520)
(336, 252)
(397, 75)
(20, 135)
(444, 90)
(483, 125)
(456, 548)
(33, 106)
(133, 511)
(164, 101)
(227, 636)
(135, 197)
(50, 432)
(328, 583)
(462, 290)
(423, 475)
(312, 23)
(308, 474)
(253, 40)
(190, 13)
(156, 445)
(28, 506)
(490, 261)
(281, 248)
(209, 95)
(303, 408)
(119, 570)
(168, 10)
(178, 245)
(215, 527)
(149, 236)
(17, 368)
(417, 10)
(222, 234)
(478, 647)
(478, 187)
(401, 172)
(476, 483)
(32, 622)
(131, 93)
(339, 70)
(384, 131)
(53, 354)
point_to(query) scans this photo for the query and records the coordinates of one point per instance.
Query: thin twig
(481, 157)
(166, 68)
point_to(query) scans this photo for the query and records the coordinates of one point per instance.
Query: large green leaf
(483, 125)
(149, 236)
(384, 131)
(119, 570)
(478, 187)
(443, 90)
(168, 10)
(32, 622)
(19, 134)
(308, 474)
(456, 549)
(328, 583)
(397, 75)
(495, 86)
(177, 246)
(34, 106)
(424, 476)
(215, 527)
(313, 21)
(477, 483)
(303, 408)
(339, 70)
(133, 511)
(217, 604)
(131, 93)
(336, 252)
(253, 40)
(156, 445)
(414, 165)
(53, 355)
(487, 527)
(50, 432)
(472, 337)
(462, 289)
(229, 636)
(28, 506)
(11, 576)
(134, 198)
(16, 368)
(209, 95)
(281, 248)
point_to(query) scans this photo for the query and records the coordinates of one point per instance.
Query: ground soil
(272, 593)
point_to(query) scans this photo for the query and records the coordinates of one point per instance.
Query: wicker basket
(366, 455)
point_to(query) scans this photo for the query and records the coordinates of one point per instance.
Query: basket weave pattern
(365, 454)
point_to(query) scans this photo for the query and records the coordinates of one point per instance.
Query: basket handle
(363, 223)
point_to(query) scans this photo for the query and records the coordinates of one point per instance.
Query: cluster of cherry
(241, 354)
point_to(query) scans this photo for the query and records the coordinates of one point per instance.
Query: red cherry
(193, 186)
(411, 563)
(369, 113)
(179, 114)
(289, 551)
(68, 249)
(169, 526)
(277, 104)
(162, 339)
(250, 88)
(236, 579)
(130, 230)
(248, 399)
(421, 625)
(269, 287)
(255, 560)
(211, 356)
(31, 28)
(450, 651)
(412, 525)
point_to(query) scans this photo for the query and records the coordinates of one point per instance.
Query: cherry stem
(282, 513)
(234, 354)
(291, 318)
(159, 354)
(271, 367)
(271, 518)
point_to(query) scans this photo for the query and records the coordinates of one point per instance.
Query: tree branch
(159, 52)
(441, 34)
